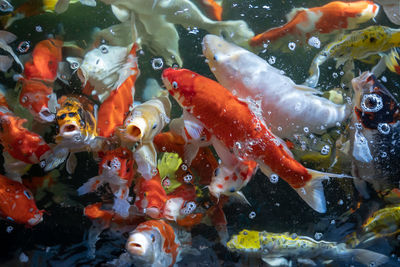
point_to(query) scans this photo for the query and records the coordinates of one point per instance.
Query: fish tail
(91, 185)
(393, 60)
(368, 257)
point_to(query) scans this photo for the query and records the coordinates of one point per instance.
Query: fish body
(358, 44)
(19, 142)
(153, 243)
(217, 110)
(286, 107)
(392, 10)
(115, 108)
(45, 58)
(228, 181)
(181, 202)
(212, 9)
(17, 203)
(333, 16)
(101, 68)
(276, 248)
(384, 222)
(150, 196)
(39, 99)
(116, 168)
(375, 134)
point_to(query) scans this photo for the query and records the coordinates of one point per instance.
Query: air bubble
(306, 130)
(274, 178)
(318, 236)
(9, 229)
(383, 128)
(292, 46)
(38, 28)
(340, 202)
(252, 215)
(272, 60)
(325, 150)
(335, 75)
(314, 42)
(157, 63)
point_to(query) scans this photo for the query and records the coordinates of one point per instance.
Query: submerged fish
(276, 249)
(5, 60)
(358, 44)
(375, 135)
(17, 203)
(235, 128)
(384, 222)
(286, 107)
(336, 15)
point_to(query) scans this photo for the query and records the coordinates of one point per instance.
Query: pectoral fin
(71, 163)
(279, 261)
(146, 159)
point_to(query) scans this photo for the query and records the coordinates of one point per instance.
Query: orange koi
(150, 196)
(21, 143)
(39, 99)
(17, 203)
(236, 128)
(212, 9)
(114, 110)
(45, 58)
(325, 19)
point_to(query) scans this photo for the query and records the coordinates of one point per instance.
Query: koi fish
(375, 132)
(154, 243)
(39, 99)
(212, 9)
(45, 58)
(106, 67)
(392, 60)
(355, 45)
(150, 196)
(17, 203)
(383, 223)
(286, 107)
(116, 169)
(180, 203)
(115, 108)
(217, 110)
(6, 61)
(229, 181)
(392, 10)
(275, 249)
(76, 133)
(333, 16)
(143, 123)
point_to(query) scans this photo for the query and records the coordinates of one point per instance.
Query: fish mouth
(46, 116)
(69, 129)
(36, 219)
(135, 130)
(138, 244)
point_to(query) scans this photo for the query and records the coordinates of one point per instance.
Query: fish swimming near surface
(45, 58)
(116, 168)
(6, 61)
(336, 15)
(17, 203)
(76, 133)
(358, 44)
(39, 98)
(214, 108)
(287, 108)
(375, 135)
(277, 249)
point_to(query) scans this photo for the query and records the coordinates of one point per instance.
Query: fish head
(35, 96)
(362, 11)
(71, 120)
(144, 244)
(180, 84)
(101, 62)
(246, 240)
(374, 106)
(118, 163)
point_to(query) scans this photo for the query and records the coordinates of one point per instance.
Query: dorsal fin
(294, 12)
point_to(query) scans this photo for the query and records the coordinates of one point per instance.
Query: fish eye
(216, 172)
(371, 103)
(10, 219)
(74, 65)
(42, 164)
(61, 117)
(27, 194)
(174, 85)
(71, 114)
(154, 126)
(103, 49)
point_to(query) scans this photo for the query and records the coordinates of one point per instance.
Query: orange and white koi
(181, 202)
(235, 128)
(45, 58)
(17, 203)
(333, 16)
(115, 108)
(116, 169)
(286, 107)
(154, 243)
(39, 99)
(150, 196)
(229, 181)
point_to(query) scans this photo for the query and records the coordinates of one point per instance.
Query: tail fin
(368, 257)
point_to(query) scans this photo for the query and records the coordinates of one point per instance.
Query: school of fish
(162, 153)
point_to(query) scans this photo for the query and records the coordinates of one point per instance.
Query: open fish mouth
(138, 244)
(46, 116)
(36, 219)
(69, 130)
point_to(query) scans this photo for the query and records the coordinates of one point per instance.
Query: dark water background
(57, 241)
